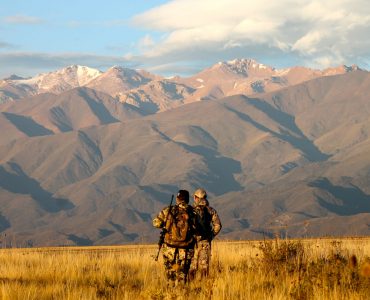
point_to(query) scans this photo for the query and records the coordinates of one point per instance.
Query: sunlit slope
(274, 161)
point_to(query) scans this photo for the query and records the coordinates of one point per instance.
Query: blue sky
(181, 36)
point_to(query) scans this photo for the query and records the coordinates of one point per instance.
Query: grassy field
(274, 269)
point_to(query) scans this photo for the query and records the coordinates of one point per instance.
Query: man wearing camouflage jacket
(209, 225)
(176, 260)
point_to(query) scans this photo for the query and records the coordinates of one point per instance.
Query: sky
(181, 37)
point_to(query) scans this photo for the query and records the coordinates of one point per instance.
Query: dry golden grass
(278, 269)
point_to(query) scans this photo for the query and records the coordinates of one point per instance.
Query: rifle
(164, 231)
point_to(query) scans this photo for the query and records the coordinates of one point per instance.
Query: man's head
(200, 194)
(182, 196)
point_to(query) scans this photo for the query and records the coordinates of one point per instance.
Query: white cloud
(317, 31)
(22, 19)
(253, 27)
(308, 43)
(146, 42)
(324, 61)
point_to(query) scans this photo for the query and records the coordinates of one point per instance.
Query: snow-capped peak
(82, 74)
(243, 66)
(63, 79)
(246, 64)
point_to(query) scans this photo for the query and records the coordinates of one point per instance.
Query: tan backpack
(180, 227)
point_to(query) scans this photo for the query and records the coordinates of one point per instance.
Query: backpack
(179, 227)
(204, 221)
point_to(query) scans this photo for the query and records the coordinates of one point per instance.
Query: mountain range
(88, 157)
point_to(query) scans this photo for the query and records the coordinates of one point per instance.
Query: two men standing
(188, 233)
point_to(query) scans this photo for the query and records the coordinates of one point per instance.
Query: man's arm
(159, 220)
(216, 222)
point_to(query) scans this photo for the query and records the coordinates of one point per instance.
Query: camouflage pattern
(177, 263)
(202, 251)
(215, 219)
(201, 259)
(159, 221)
(176, 260)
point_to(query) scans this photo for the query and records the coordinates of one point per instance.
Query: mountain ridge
(292, 162)
(239, 76)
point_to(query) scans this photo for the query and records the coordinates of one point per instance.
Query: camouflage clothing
(176, 260)
(201, 259)
(210, 223)
(209, 226)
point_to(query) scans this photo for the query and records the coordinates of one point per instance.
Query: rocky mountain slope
(82, 168)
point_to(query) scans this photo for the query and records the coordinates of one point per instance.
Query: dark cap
(183, 195)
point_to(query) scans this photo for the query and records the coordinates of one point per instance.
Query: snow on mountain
(249, 77)
(237, 69)
(103, 168)
(61, 80)
(238, 76)
(244, 66)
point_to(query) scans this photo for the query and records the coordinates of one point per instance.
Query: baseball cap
(200, 193)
